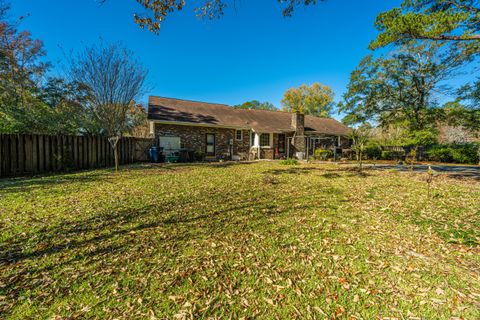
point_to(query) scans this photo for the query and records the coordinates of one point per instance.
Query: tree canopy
(465, 111)
(158, 10)
(27, 104)
(256, 105)
(453, 21)
(316, 100)
(398, 88)
(33, 102)
(453, 26)
(114, 80)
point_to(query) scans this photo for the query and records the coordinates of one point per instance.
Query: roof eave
(197, 124)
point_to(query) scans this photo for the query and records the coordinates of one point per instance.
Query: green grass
(258, 240)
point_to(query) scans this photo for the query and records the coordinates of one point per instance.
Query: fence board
(21, 154)
(41, 156)
(32, 154)
(14, 153)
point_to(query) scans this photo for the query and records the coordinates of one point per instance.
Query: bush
(199, 155)
(289, 162)
(386, 155)
(392, 155)
(322, 154)
(454, 153)
(440, 154)
(373, 151)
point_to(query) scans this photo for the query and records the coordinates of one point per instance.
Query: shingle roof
(211, 114)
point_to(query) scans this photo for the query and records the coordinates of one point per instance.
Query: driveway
(458, 171)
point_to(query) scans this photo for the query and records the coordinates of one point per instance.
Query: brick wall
(244, 145)
(194, 138)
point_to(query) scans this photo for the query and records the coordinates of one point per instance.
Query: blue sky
(251, 53)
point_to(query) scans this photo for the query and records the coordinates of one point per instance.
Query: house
(220, 131)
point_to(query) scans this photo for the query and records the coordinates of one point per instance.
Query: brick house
(220, 131)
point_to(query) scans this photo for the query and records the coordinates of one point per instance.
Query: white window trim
(241, 134)
(270, 141)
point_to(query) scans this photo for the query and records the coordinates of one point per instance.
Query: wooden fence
(402, 152)
(33, 154)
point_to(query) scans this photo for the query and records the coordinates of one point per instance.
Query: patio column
(256, 143)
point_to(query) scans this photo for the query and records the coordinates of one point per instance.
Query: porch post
(256, 143)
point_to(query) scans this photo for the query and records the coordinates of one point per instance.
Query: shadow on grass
(331, 175)
(109, 175)
(328, 173)
(27, 184)
(226, 164)
(293, 170)
(453, 171)
(110, 239)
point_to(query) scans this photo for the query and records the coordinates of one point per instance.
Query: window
(238, 135)
(265, 140)
(210, 150)
(170, 143)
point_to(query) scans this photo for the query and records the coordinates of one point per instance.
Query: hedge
(455, 153)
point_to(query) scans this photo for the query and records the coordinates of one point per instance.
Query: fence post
(34, 154)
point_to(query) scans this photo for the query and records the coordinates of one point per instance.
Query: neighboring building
(221, 131)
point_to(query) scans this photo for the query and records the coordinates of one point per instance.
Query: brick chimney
(298, 140)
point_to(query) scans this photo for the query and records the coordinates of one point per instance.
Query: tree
(470, 115)
(453, 24)
(138, 122)
(21, 71)
(400, 88)
(316, 100)
(461, 114)
(66, 106)
(256, 105)
(158, 10)
(114, 80)
(454, 21)
(360, 137)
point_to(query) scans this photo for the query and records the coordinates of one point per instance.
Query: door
(210, 150)
(281, 143)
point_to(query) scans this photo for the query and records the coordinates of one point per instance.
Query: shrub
(199, 155)
(386, 155)
(289, 162)
(391, 155)
(322, 154)
(454, 153)
(440, 154)
(373, 151)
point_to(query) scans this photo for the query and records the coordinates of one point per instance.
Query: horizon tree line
(429, 40)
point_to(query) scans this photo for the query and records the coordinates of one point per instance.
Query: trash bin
(154, 155)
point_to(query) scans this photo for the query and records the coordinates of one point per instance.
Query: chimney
(298, 123)
(298, 140)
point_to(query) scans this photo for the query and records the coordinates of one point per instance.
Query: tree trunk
(115, 153)
(360, 160)
(114, 143)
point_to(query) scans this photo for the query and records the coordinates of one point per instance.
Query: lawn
(260, 240)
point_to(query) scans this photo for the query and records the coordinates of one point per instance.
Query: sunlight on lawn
(239, 240)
